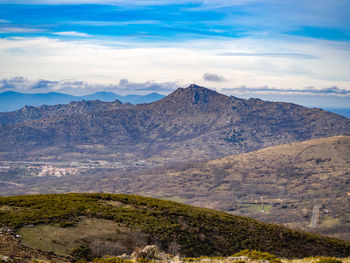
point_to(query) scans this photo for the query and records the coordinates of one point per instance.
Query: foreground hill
(115, 224)
(191, 123)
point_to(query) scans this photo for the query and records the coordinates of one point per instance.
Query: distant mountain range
(192, 123)
(11, 100)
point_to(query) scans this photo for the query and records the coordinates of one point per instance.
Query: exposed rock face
(191, 123)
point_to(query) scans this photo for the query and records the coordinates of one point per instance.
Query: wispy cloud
(213, 77)
(148, 86)
(308, 90)
(115, 23)
(71, 34)
(113, 2)
(189, 19)
(7, 30)
(272, 55)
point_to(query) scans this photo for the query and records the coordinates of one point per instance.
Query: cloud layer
(77, 87)
(308, 90)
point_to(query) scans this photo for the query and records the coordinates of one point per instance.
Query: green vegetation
(329, 260)
(63, 240)
(175, 198)
(82, 252)
(111, 260)
(194, 231)
(201, 258)
(259, 207)
(257, 255)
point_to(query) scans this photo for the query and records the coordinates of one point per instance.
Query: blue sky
(237, 47)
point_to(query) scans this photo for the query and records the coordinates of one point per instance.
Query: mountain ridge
(197, 121)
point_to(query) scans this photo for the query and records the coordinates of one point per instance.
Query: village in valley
(60, 169)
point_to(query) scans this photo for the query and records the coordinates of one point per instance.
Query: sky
(274, 49)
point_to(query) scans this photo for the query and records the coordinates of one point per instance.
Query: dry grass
(63, 240)
(311, 260)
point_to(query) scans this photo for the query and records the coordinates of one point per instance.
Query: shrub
(82, 252)
(329, 260)
(112, 260)
(257, 255)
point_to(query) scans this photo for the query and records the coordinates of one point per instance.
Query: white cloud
(184, 63)
(112, 2)
(307, 90)
(213, 77)
(115, 23)
(279, 55)
(71, 33)
(6, 30)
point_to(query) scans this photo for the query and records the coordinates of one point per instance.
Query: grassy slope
(63, 240)
(198, 231)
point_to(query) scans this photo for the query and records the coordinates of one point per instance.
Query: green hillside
(192, 231)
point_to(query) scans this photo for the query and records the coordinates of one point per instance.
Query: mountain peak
(195, 86)
(194, 94)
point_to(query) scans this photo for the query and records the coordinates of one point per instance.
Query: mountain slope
(279, 184)
(190, 123)
(189, 230)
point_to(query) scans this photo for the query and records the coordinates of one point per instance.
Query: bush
(257, 255)
(82, 252)
(329, 260)
(112, 260)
